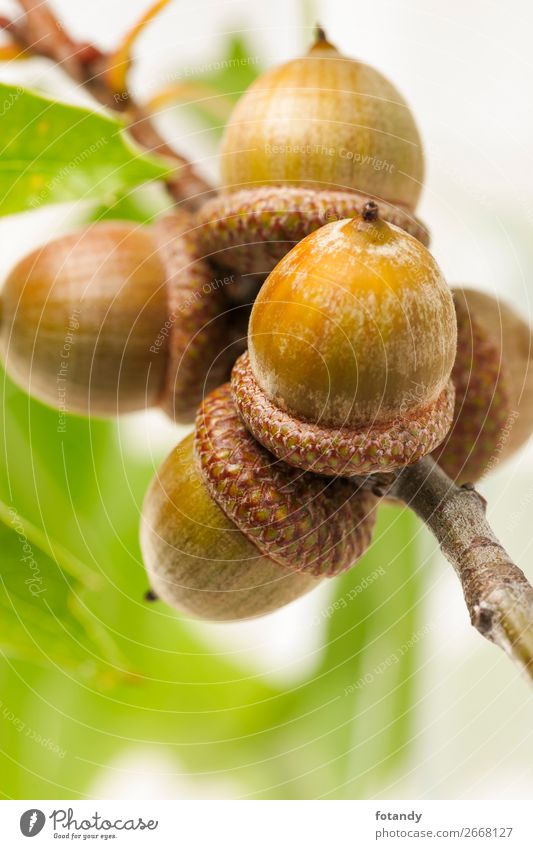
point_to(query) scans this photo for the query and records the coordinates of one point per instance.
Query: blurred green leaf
(186, 698)
(352, 720)
(126, 208)
(235, 71)
(46, 472)
(41, 617)
(55, 152)
(211, 95)
(46, 487)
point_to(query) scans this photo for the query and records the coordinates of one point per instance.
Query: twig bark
(40, 33)
(497, 593)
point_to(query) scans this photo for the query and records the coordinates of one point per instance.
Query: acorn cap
(197, 323)
(347, 451)
(252, 230)
(493, 377)
(304, 522)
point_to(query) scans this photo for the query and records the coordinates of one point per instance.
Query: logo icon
(32, 822)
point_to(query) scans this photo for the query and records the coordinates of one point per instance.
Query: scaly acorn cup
(251, 230)
(228, 532)
(493, 380)
(311, 141)
(118, 318)
(351, 341)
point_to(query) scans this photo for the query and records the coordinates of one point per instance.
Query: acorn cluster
(299, 320)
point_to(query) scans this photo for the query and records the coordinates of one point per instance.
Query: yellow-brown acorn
(228, 532)
(324, 121)
(118, 318)
(311, 141)
(351, 342)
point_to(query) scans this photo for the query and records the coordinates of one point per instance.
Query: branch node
(482, 619)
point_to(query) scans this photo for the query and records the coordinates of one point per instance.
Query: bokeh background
(375, 687)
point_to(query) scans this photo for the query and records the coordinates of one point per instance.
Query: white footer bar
(268, 824)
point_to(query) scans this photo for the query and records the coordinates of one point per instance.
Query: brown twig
(497, 593)
(40, 33)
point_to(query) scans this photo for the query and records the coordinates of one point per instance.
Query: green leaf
(47, 472)
(42, 615)
(236, 71)
(52, 152)
(351, 723)
(185, 697)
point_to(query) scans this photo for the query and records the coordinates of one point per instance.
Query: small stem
(370, 211)
(497, 593)
(184, 184)
(40, 33)
(320, 34)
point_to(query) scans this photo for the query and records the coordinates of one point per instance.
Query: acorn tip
(370, 211)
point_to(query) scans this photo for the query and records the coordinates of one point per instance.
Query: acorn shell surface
(197, 559)
(325, 121)
(355, 326)
(80, 318)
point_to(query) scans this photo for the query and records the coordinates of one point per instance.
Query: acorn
(311, 141)
(351, 344)
(118, 318)
(324, 121)
(493, 381)
(228, 532)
